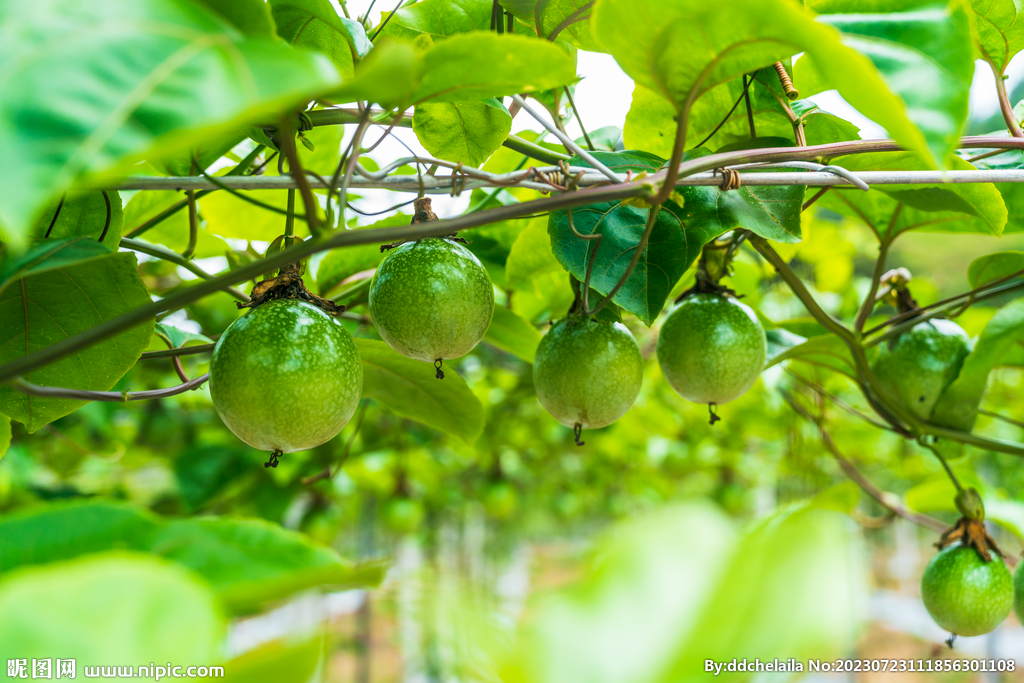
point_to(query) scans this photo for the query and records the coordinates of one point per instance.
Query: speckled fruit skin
(918, 366)
(711, 348)
(964, 594)
(285, 376)
(431, 299)
(587, 372)
(1018, 592)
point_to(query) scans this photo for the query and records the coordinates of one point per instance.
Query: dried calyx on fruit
(287, 284)
(970, 528)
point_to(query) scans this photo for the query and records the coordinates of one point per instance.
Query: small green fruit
(965, 594)
(285, 376)
(500, 500)
(431, 300)
(711, 349)
(403, 515)
(917, 366)
(1018, 592)
(587, 372)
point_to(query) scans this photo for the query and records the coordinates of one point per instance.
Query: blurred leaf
(958, 405)
(251, 562)
(779, 341)
(203, 471)
(276, 662)
(315, 24)
(179, 338)
(827, 351)
(184, 162)
(511, 333)
(530, 255)
(408, 387)
(251, 17)
(913, 42)
(5, 438)
(109, 609)
(570, 17)
(438, 19)
(49, 255)
(685, 48)
(83, 214)
(676, 240)
(970, 208)
(340, 264)
(172, 232)
(999, 31)
(387, 76)
(993, 267)
(938, 495)
(230, 216)
(462, 132)
(190, 77)
(57, 304)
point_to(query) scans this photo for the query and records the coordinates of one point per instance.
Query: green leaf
(191, 77)
(685, 48)
(826, 351)
(482, 65)
(251, 17)
(925, 43)
(387, 76)
(462, 132)
(49, 255)
(229, 216)
(5, 434)
(409, 388)
(570, 17)
(509, 332)
(315, 24)
(676, 240)
(1012, 193)
(276, 662)
(779, 341)
(530, 255)
(172, 232)
(102, 610)
(993, 267)
(958, 405)
(340, 264)
(178, 338)
(45, 308)
(438, 19)
(248, 562)
(251, 562)
(199, 158)
(998, 31)
(83, 214)
(961, 208)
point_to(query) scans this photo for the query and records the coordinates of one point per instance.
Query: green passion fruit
(587, 373)
(966, 595)
(285, 376)
(500, 500)
(1018, 592)
(431, 300)
(917, 366)
(711, 348)
(403, 515)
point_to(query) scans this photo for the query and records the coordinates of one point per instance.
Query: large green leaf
(248, 562)
(530, 255)
(438, 19)
(510, 332)
(192, 160)
(42, 309)
(276, 662)
(463, 132)
(162, 75)
(1012, 193)
(409, 388)
(685, 48)
(999, 30)
(994, 267)
(569, 17)
(81, 213)
(251, 17)
(49, 255)
(317, 25)
(387, 76)
(172, 231)
(676, 240)
(963, 208)
(958, 405)
(923, 50)
(108, 609)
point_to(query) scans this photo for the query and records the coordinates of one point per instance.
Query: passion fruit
(285, 376)
(966, 595)
(403, 515)
(711, 348)
(917, 366)
(500, 500)
(431, 300)
(587, 373)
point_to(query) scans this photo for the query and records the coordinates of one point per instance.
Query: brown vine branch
(183, 351)
(109, 396)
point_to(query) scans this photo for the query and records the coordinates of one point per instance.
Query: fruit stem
(945, 465)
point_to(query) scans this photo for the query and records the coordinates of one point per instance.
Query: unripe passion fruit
(1018, 592)
(500, 500)
(917, 366)
(711, 349)
(431, 300)
(403, 515)
(285, 376)
(587, 373)
(965, 594)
